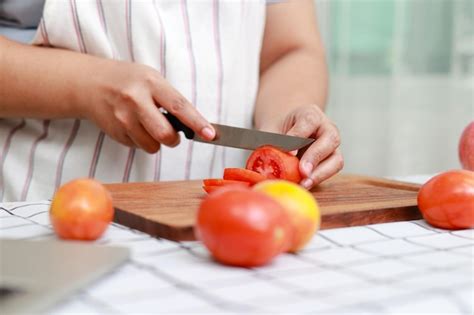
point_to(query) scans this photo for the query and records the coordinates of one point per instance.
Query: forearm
(38, 82)
(297, 78)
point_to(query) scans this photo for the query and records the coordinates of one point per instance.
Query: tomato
(447, 200)
(242, 227)
(274, 164)
(301, 207)
(81, 210)
(466, 147)
(243, 175)
(223, 182)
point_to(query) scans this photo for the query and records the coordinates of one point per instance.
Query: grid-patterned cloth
(403, 267)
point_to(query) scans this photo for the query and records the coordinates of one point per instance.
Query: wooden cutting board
(168, 209)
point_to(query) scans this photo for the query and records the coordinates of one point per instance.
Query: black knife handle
(179, 126)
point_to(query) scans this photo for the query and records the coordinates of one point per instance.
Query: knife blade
(242, 138)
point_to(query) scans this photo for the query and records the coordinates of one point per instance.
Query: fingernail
(294, 152)
(307, 183)
(307, 167)
(208, 133)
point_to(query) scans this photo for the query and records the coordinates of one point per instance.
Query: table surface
(404, 267)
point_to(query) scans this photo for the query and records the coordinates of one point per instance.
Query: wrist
(86, 86)
(75, 106)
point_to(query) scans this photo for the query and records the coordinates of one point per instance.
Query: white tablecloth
(392, 268)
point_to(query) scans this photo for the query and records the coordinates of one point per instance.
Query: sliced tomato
(242, 174)
(215, 184)
(210, 189)
(274, 164)
(223, 182)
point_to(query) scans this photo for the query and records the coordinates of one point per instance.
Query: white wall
(411, 128)
(398, 124)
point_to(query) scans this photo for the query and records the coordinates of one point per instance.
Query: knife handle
(179, 126)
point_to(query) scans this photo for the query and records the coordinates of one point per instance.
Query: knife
(242, 138)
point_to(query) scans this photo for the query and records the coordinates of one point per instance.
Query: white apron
(208, 50)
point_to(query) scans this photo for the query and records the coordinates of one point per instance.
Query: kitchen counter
(402, 267)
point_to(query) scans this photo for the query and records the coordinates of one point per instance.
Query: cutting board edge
(376, 205)
(328, 221)
(367, 217)
(153, 228)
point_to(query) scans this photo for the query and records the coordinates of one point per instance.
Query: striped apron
(208, 50)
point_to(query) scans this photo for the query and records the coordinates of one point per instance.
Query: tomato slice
(274, 164)
(223, 182)
(210, 189)
(243, 174)
(213, 184)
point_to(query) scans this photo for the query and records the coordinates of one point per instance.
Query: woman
(85, 100)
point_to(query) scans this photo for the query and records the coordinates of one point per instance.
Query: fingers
(131, 116)
(310, 121)
(142, 138)
(145, 127)
(155, 124)
(327, 168)
(170, 99)
(305, 125)
(125, 140)
(327, 142)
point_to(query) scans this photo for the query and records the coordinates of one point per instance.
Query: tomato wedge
(223, 182)
(213, 184)
(274, 164)
(242, 174)
(210, 189)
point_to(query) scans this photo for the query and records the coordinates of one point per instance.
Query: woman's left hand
(322, 159)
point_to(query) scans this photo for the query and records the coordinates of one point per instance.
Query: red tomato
(274, 164)
(243, 175)
(466, 147)
(81, 210)
(447, 200)
(242, 227)
(224, 182)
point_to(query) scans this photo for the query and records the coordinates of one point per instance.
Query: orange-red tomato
(274, 164)
(242, 227)
(81, 210)
(447, 200)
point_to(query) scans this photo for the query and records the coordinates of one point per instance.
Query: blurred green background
(402, 81)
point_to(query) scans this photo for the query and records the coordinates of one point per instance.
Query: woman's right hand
(123, 99)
